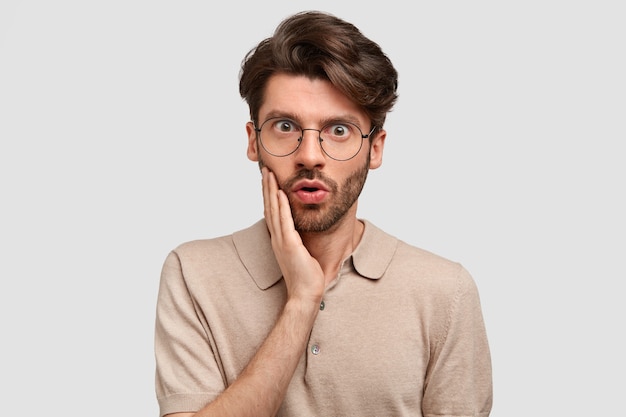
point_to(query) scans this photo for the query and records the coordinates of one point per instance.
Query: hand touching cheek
(302, 273)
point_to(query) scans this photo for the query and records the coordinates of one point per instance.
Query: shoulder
(416, 266)
(431, 273)
(242, 255)
(201, 248)
(218, 247)
(201, 255)
(425, 262)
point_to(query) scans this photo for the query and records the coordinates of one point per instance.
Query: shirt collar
(370, 258)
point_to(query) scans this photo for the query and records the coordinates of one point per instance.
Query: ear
(376, 149)
(253, 149)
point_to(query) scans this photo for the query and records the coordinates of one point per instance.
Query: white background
(122, 135)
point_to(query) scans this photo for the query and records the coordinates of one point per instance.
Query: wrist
(303, 306)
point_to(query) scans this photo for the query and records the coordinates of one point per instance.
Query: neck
(331, 248)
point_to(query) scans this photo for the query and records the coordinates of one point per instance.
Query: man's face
(321, 190)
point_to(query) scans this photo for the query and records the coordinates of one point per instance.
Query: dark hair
(320, 45)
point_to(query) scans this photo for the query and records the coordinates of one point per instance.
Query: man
(312, 311)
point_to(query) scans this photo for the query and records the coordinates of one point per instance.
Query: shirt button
(315, 349)
(322, 305)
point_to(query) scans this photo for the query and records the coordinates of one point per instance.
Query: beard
(316, 218)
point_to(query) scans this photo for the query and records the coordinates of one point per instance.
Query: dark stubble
(315, 218)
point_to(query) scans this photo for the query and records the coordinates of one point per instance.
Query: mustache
(309, 174)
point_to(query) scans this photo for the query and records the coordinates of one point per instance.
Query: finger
(286, 219)
(271, 206)
(264, 185)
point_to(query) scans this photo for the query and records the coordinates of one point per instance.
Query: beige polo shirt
(400, 331)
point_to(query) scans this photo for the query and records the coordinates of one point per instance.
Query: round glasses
(339, 140)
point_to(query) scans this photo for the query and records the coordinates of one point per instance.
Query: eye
(338, 131)
(285, 126)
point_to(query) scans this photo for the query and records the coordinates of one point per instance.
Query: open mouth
(310, 194)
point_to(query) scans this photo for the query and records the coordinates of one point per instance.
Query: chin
(310, 222)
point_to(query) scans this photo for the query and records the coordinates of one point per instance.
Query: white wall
(122, 135)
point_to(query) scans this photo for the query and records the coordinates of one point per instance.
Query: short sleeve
(187, 374)
(458, 380)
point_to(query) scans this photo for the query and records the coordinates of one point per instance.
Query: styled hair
(320, 45)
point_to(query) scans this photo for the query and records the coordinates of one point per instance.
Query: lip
(310, 191)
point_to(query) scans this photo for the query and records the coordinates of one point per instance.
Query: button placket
(315, 347)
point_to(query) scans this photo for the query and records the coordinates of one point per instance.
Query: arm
(458, 381)
(261, 387)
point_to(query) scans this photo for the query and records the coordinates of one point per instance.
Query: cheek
(271, 164)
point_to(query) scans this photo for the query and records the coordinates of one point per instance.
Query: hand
(302, 273)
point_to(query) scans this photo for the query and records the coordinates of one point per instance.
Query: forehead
(309, 100)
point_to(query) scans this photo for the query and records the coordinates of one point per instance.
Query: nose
(310, 153)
